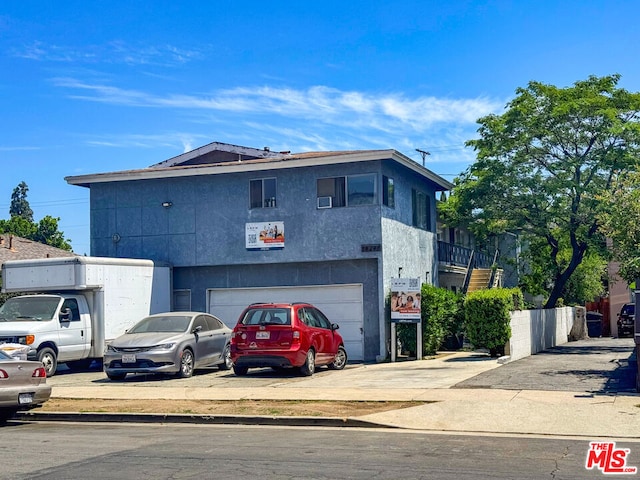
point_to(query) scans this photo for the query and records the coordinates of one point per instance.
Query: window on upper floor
(262, 193)
(388, 192)
(421, 206)
(347, 191)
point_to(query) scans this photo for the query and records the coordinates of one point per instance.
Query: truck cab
(54, 327)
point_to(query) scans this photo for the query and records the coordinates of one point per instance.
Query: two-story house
(242, 225)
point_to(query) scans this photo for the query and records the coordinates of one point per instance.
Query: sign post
(405, 308)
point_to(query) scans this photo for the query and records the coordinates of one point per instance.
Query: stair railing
(494, 269)
(467, 276)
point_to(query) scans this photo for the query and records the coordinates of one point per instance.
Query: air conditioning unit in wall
(324, 202)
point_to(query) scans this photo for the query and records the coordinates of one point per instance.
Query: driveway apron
(595, 365)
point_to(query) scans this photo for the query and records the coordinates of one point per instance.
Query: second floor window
(421, 207)
(347, 191)
(262, 193)
(388, 192)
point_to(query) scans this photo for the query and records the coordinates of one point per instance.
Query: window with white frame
(262, 193)
(347, 191)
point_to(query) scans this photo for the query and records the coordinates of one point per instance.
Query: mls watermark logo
(608, 459)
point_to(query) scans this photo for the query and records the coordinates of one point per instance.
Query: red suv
(286, 335)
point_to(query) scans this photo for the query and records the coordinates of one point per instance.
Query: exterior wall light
(167, 204)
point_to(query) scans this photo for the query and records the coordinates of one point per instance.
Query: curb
(195, 419)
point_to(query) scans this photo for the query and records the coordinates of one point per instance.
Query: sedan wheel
(186, 364)
(340, 361)
(226, 363)
(310, 364)
(7, 413)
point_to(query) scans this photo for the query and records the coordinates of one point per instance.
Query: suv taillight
(296, 336)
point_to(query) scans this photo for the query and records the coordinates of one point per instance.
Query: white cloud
(115, 52)
(384, 112)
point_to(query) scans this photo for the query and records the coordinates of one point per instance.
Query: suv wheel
(310, 364)
(340, 361)
(240, 371)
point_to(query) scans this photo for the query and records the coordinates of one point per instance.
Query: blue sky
(99, 86)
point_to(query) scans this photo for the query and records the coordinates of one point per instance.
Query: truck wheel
(226, 359)
(186, 364)
(49, 360)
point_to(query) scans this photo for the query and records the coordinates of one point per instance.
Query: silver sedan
(173, 342)
(23, 385)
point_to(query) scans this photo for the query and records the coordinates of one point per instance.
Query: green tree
(620, 217)
(585, 284)
(22, 225)
(543, 165)
(19, 204)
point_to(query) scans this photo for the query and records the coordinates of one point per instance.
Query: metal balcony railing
(450, 254)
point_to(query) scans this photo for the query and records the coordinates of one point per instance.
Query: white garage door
(342, 304)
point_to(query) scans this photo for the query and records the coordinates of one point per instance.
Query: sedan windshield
(162, 324)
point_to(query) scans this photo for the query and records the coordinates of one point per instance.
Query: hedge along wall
(535, 330)
(487, 317)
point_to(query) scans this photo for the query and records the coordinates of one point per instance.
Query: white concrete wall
(535, 330)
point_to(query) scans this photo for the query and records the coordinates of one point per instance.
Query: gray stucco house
(241, 225)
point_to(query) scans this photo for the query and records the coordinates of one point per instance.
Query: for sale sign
(405, 300)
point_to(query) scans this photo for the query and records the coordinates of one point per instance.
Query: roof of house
(18, 248)
(219, 158)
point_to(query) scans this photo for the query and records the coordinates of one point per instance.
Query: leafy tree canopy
(543, 165)
(620, 217)
(21, 222)
(19, 204)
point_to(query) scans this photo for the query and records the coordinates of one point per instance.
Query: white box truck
(78, 305)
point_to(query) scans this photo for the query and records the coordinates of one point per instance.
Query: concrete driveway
(595, 365)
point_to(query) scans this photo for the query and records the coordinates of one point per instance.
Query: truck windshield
(25, 309)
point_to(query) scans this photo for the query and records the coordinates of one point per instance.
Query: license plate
(25, 398)
(128, 358)
(263, 335)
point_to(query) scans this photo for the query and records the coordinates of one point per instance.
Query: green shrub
(440, 317)
(487, 317)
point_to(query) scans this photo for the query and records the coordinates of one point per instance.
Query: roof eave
(269, 164)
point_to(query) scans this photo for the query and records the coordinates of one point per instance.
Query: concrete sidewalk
(452, 409)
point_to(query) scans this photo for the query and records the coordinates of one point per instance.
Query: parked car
(281, 335)
(23, 385)
(174, 342)
(626, 320)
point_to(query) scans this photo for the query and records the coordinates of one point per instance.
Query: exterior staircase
(483, 278)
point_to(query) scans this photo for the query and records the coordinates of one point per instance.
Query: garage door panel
(342, 304)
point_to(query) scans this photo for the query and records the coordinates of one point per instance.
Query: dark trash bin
(594, 324)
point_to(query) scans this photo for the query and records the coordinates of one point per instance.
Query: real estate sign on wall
(405, 300)
(264, 235)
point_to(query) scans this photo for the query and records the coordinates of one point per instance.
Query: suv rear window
(628, 309)
(267, 316)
